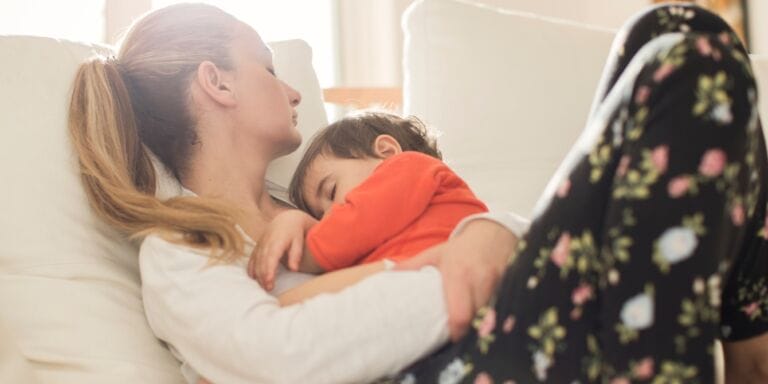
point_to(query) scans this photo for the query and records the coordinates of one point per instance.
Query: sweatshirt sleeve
(515, 223)
(395, 195)
(229, 330)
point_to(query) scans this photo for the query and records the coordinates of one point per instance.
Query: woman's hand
(284, 237)
(471, 264)
(746, 361)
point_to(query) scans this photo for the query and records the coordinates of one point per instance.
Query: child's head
(344, 154)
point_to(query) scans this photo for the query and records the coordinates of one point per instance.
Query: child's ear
(385, 146)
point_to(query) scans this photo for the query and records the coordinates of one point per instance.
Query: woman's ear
(216, 84)
(385, 146)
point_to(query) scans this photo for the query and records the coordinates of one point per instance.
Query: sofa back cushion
(510, 91)
(70, 285)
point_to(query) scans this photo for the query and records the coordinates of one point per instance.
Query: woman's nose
(293, 95)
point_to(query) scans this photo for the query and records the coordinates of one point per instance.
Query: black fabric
(655, 242)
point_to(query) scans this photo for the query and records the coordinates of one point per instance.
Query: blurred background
(357, 44)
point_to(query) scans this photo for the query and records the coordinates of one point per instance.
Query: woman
(651, 242)
(196, 87)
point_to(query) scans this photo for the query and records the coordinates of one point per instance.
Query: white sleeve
(514, 222)
(229, 330)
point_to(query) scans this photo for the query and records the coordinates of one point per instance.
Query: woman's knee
(705, 78)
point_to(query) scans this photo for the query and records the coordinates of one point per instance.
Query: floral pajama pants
(650, 242)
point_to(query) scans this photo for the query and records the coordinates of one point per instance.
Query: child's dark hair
(353, 137)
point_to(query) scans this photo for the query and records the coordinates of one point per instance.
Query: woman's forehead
(250, 41)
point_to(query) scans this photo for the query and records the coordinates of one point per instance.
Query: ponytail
(118, 175)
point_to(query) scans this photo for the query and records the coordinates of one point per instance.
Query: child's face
(329, 179)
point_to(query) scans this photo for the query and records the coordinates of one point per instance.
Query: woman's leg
(619, 276)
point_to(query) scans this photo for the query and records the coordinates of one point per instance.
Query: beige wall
(606, 13)
(119, 14)
(758, 26)
(371, 42)
(370, 37)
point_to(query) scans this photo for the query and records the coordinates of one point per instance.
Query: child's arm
(283, 240)
(330, 282)
(307, 264)
(389, 200)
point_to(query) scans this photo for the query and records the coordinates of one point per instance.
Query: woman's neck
(226, 176)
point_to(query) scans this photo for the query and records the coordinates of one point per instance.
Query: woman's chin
(289, 144)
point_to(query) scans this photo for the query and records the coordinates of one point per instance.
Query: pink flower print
(703, 46)
(725, 38)
(644, 369)
(765, 228)
(581, 294)
(660, 156)
(716, 54)
(642, 94)
(565, 186)
(483, 378)
(737, 214)
(509, 324)
(750, 309)
(562, 249)
(488, 323)
(678, 186)
(620, 380)
(576, 313)
(712, 163)
(623, 166)
(663, 71)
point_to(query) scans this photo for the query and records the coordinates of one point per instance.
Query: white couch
(509, 90)
(69, 285)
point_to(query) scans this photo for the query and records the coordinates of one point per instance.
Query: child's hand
(283, 237)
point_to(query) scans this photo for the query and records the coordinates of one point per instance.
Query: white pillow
(69, 285)
(760, 66)
(509, 90)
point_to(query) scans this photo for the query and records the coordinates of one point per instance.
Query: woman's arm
(471, 263)
(329, 283)
(486, 235)
(229, 330)
(747, 361)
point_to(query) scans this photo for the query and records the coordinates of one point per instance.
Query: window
(80, 20)
(313, 21)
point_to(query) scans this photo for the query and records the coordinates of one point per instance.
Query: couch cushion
(760, 65)
(510, 91)
(69, 285)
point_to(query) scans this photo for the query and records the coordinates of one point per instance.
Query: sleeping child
(370, 188)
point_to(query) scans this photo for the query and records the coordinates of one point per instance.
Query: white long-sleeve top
(221, 324)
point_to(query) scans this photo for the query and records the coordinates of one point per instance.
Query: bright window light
(79, 20)
(310, 20)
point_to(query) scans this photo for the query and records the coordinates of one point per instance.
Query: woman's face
(265, 110)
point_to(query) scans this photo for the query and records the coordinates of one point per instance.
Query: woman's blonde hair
(141, 98)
